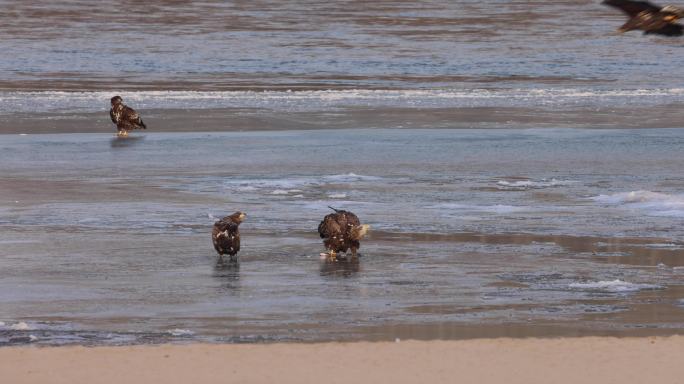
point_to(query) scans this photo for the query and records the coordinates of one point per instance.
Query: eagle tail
(359, 231)
(142, 124)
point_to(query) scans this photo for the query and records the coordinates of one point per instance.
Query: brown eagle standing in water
(226, 236)
(125, 117)
(650, 18)
(341, 231)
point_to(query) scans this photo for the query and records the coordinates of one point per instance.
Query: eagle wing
(226, 237)
(112, 116)
(632, 8)
(330, 226)
(338, 224)
(130, 117)
(669, 29)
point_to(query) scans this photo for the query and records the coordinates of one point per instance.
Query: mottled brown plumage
(341, 231)
(226, 235)
(650, 18)
(125, 117)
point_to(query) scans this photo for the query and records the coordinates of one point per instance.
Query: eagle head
(671, 9)
(116, 100)
(672, 13)
(238, 216)
(359, 231)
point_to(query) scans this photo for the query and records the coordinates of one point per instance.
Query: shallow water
(474, 233)
(424, 54)
(213, 45)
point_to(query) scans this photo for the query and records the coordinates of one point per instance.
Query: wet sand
(577, 360)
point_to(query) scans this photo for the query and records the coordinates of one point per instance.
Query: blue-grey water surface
(484, 232)
(214, 45)
(474, 233)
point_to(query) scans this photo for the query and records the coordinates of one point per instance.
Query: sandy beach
(575, 360)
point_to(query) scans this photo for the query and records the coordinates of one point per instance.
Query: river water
(475, 233)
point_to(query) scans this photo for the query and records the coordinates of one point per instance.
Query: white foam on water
(530, 184)
(350, 177)
(615, 286)
(20, 326)
(664, 246)
(46, 101)
(180, 332)
(651, 203)
(337, 195)
(294, 184)
(272, 184)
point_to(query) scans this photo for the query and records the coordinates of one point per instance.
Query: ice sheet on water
(47, 101)
(648, 202)
(616, 286)
(531, 184)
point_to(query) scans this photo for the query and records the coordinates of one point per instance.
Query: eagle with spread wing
(341, 231)
(650, 18)
(125, 117)
(226, 235)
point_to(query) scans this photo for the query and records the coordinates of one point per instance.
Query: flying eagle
(650, 18)
(226, 236)
(125, 117)
(341, 231)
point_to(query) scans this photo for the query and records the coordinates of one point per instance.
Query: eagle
(650, 18)
(341, 231)
(125, 117)
(226, 235)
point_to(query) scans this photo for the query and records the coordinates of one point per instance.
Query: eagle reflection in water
(340, 267)
(129, 141)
